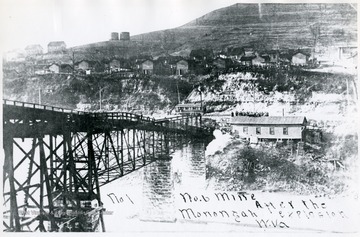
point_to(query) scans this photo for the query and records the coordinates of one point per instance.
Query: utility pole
(73, 62)
(100, 91)
(39, 96)
(177, 86)
(201, 104)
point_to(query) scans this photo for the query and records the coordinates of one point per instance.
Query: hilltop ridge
(266, 26)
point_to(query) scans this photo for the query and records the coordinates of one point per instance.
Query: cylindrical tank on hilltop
(114, 36)
(125, 36)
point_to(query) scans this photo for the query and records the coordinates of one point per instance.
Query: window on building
(258, 130)
(272, 131)
(285, 131)
(245, 130)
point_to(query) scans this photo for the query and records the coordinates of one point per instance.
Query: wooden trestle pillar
(55, 162)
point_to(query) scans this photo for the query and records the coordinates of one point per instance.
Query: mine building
(267, 128)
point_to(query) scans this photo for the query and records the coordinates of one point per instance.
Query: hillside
(279, 25)
(155, 94)
(275, 26)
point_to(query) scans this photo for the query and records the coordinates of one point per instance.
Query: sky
(77, 22)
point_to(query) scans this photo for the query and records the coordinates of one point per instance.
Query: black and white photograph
(163, 117)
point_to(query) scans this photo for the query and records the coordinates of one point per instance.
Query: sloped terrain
(275, 26)
(278, 25)
(153, 94)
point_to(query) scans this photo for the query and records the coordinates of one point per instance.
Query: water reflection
(164, 179)
(154, 190)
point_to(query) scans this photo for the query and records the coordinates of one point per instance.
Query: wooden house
(41, 69)
(56, 47)
(115, 65)
(273, 56)
(235, 52)
(270, 127)
(219, 63)
(97, 66)
(83, 65)
(247, 60)
(16, 55)
(54, 68)
(248, 51)
(165, 65)
(34, 49)
(66, 68)
(285, 57)
(261, 59)
(146, 67)
(182, 67)
(201, 54)
(299, 58)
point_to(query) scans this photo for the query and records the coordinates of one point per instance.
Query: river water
(149, 194)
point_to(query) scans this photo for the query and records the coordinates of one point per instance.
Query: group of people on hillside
(250, 114)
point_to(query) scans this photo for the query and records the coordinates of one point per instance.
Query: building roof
(57, 43)
(34, 46)
(247, 58)
(188, 105)
(300, 52)
(182, 60)
(65, 65)
(269, 120)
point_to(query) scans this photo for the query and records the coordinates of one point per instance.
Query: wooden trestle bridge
(57, 159)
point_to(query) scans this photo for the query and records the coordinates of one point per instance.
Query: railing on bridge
(182, 122)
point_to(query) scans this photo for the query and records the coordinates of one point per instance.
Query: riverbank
(238, 166)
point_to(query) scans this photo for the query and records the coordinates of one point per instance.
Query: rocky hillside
(266, 27)
(318, 96)
(147, 95)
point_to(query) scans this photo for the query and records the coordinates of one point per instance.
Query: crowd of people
(250, 114)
